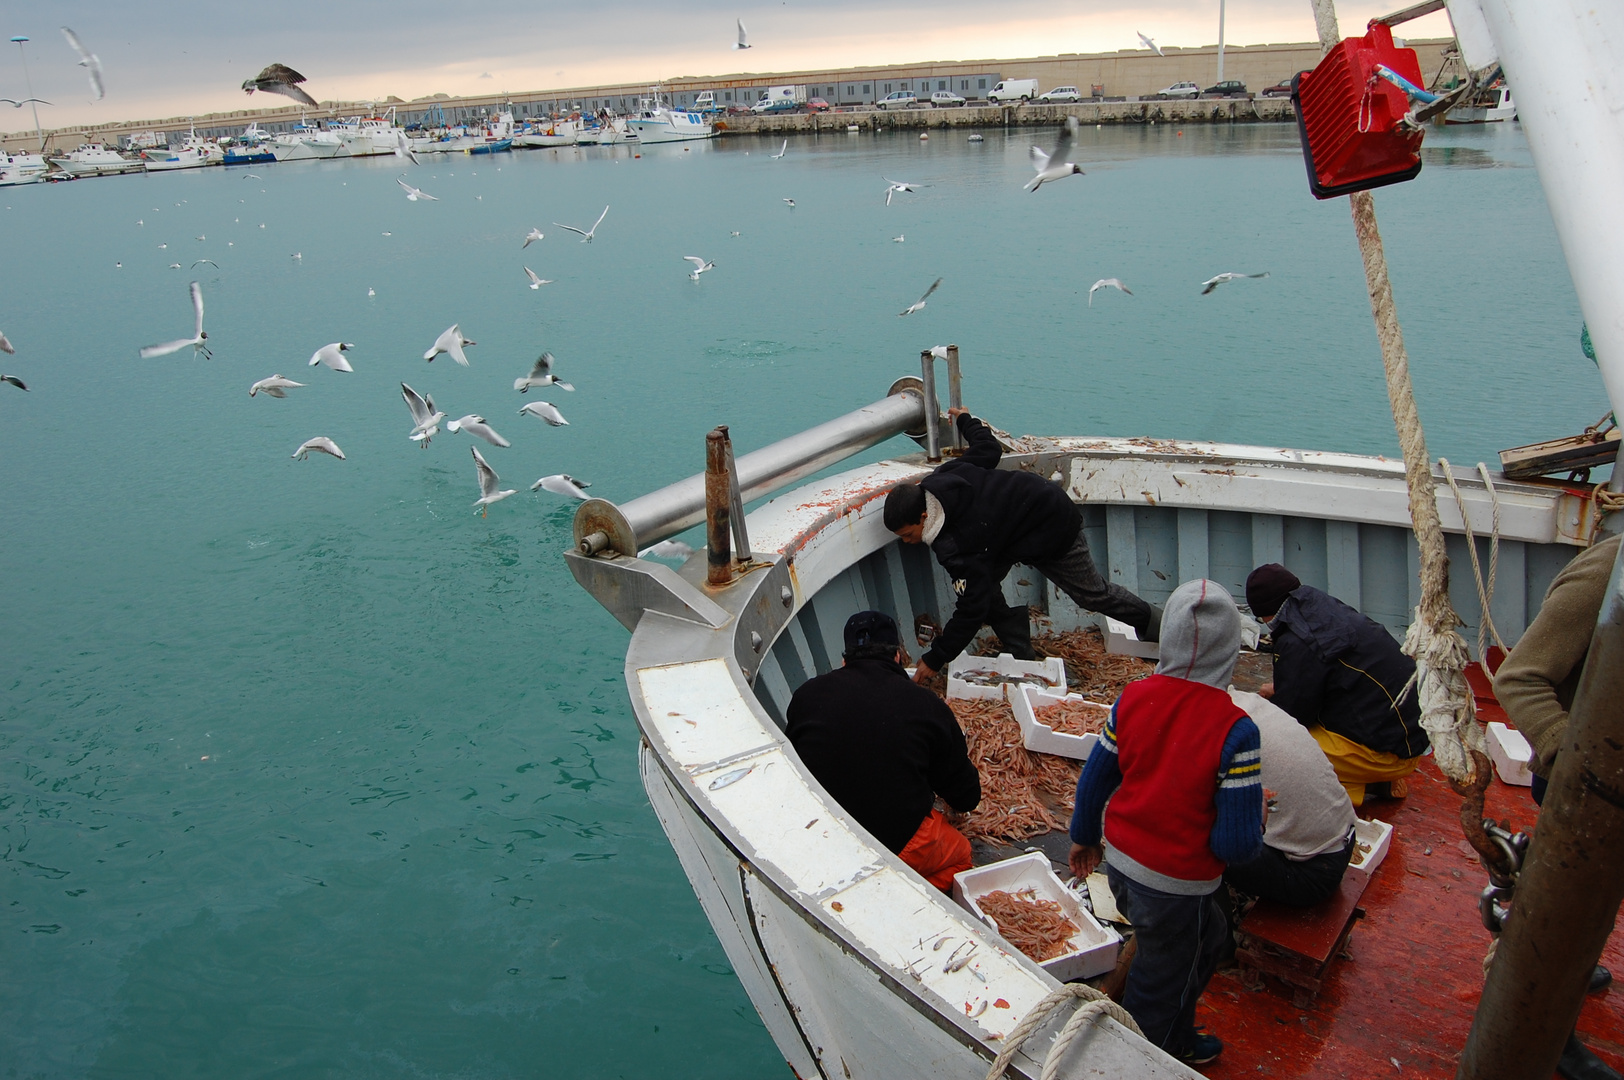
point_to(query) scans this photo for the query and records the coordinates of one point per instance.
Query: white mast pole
(29, 83)
(1220, 40)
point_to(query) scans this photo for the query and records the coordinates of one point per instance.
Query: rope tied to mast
(1094, 1005)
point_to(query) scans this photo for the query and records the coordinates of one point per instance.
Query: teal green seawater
(308, 770)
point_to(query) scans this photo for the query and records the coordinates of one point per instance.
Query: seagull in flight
(1151, 45)
(896, 187)
(530, 237)
(414, 194)
(744, 38)
(279, 79)
(195, 341)
(536, 282)
(587, 234)
(920, 303)
(488, 483)
(476, 426)
(541, 374)
(782, 151)
(321, 444)
(1041, 161)
(700, 266)
(18, 383)
(425, 418)
(89, 61)
(450, 342)
(6, 346)
(1106, 283)
(791, 203)
(1222, 279)
(24, 101)
(403, 147)
(276, 386)
(898, 239)
(667, 549)
(562, 484)
(544, 410)
(333, 356)
(200, 262)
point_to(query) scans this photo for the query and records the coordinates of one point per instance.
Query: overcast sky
(183, 57)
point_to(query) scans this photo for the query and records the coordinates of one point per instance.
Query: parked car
(1061, 93)
(946, 99)
(902, 99)
(817, 104)
(1227, 88)
(1279, 89)
(737, 110)
(1181, 90)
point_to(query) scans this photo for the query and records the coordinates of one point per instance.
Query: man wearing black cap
(1341, 675)
(979, 521)
(885, 749)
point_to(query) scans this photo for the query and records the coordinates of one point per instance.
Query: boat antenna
(29, 84)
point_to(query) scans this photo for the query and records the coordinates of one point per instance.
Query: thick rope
(1094, 1005)
(1485, 593)
(1439, 650)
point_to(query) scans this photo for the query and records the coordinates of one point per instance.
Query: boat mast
(28, 83)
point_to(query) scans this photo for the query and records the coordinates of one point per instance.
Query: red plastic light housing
(1350, 119)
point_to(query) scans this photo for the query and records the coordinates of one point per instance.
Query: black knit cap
(1267, 588)
(904, 506)
(871, 628)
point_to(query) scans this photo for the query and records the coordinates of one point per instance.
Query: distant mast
(29, 84)
(1220, 40)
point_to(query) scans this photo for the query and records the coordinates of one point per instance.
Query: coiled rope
(1094, 1005)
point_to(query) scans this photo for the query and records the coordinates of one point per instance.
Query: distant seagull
(6, 346)
(279, 79)
(372, 292)
(898, 239)
(896, 186)
(488, 483)
(536, 282)
(791, 203)
(450, 342)
(544, 410)
(425, 417)
(1041, 161)
(297, 255)
(586, 234)
(174, 266)
(735, 232)
(88, 61)
(200, 262)
(477, 427)
(1106, 283)
(161, 247)
(700, 266)
(403, 147)
(18, 383)
(414, 194)
(531, 237)
(562, 484)
(201, 238)
(25, 101)
(333, 356)
(1222, 279)
(195, 341)
(667, 549)
(246, 176)
(541, 374)
(744, 38)
(321, 444)
(782, 151)
(276, 386)
(1151, 45)
(920, 303)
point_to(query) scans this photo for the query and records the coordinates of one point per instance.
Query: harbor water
(308, 770)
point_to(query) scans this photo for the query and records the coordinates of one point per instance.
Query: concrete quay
(1203, 111)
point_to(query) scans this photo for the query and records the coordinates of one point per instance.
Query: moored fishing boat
(193, 153)
(95, 159)
(1487, 106)
(550, 133)
(365, 136)
(657, 122)
(21, 168)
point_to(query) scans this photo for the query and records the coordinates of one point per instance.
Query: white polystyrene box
(1094, 947)
(1052, 670)
(1122, 640)
(1377, 834)
(1511, 754)
(1040, 736)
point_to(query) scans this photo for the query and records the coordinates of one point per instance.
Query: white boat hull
(649, 132)
(303, 151)
(97, 168)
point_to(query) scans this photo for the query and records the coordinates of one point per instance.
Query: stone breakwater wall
(1203, 111)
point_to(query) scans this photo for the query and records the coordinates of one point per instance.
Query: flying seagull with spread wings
(89, 61)
(1045, 164)
(279, 79)
(1106, 283)
(195, 341)
(920, 303)
(489, 482)
(744, 38)
(1223, 279)
(1151, 45)
(586, 234)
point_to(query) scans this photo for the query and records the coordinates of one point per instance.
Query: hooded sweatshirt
(1178, 761)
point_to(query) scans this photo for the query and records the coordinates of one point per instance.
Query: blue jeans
(1180, 938)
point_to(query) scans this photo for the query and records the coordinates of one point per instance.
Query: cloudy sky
(181, 57)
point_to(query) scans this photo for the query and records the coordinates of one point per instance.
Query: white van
(1014, 90)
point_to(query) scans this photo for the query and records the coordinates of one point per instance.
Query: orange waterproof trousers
(937, 851)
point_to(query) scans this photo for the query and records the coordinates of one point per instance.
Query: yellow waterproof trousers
(1357, 765)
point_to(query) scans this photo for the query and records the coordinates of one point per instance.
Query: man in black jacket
(885, 749)
(1342, 676)
(980, 520)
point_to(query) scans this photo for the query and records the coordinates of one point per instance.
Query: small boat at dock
(657, 122)
(96, 159)
(21, 169)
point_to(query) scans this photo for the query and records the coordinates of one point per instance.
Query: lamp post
(1220, 40)
(27, 82)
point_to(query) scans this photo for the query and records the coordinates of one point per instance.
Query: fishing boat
(306, 143)
(21, 168)
(608, 131)
(365, 136)
(194, 152)
(657, 122)
(1489, 105)
(96, 159)
(549, 134)
(834, 939)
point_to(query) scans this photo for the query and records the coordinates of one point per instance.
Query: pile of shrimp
(1013, 778)
(1074, 717)
(1090, 670)
(1036, 927)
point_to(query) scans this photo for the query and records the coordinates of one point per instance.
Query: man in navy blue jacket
(979, 521)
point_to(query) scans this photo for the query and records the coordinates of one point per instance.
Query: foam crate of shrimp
(1037, 734)
(1093, 949)
(971, 677)
(1371, 839)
